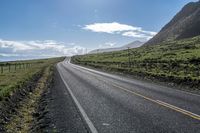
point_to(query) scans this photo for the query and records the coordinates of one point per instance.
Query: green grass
(176, 61)
(11, 81)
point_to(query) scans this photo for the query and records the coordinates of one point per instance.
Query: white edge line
(99, 72)
(86, 118)
(167, 104)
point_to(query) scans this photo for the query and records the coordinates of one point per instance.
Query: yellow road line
(164, 104)
(177, 109)
(185, 112)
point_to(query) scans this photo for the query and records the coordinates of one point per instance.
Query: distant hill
(130, 45)
(185, 24)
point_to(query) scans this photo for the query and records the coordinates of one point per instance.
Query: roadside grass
(23, 120)
(11, 81)
(176, 61)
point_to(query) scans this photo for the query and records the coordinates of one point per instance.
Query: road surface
(115, 104)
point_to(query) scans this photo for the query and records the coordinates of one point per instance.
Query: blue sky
(44, 28)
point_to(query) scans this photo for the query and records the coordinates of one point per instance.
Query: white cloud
(110, 44)
(14, 45)
(8, 55)
(46, 48)
(152, 33)
(132, 34)
(110, 27)
(143, 34)
(123, 29)
(107, 45)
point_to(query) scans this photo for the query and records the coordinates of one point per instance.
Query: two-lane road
(111, 103)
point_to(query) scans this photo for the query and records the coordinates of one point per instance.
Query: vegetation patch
(22, 121)
(175, 61)
(18, 106)
(11, 81)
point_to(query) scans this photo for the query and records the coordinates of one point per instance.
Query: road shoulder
(64, 113)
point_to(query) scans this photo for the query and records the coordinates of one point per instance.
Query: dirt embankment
(26, 109)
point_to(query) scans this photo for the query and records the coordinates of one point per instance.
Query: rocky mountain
(185, 24)
(130, 45)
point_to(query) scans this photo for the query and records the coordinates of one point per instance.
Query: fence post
(129, 59)
(2, 68)
(9, 67)
(198, 69)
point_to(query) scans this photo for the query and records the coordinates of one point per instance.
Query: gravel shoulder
(63, 111)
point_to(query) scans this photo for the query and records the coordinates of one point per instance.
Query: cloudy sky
(47, 28)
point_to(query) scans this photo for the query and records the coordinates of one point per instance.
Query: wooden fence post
(15, 66)
(2, 68)
(129, 59)
(9, 67)
(198, 69)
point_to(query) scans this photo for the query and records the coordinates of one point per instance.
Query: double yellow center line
(177, 109)
(164, 104)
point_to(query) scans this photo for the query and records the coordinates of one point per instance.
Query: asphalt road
(114, 104)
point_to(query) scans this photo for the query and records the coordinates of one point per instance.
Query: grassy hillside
(176, 61)
(16, 74)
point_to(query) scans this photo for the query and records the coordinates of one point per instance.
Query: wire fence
(12, 67)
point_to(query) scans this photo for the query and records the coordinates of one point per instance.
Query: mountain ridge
(185, 24)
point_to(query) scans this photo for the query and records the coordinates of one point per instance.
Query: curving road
(114, 104)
